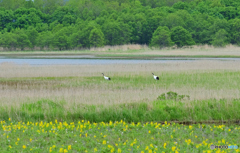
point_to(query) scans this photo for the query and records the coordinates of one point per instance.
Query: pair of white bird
(154, 76)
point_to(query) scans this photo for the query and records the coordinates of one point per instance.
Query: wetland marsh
(52, 99)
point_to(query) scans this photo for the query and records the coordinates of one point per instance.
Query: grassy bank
(132, 52)
(95, 55)
(170, 109)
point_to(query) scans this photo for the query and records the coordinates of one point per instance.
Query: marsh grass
(158, 111)
(68, 92)
(137, 49)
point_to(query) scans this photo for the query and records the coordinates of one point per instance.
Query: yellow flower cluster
(119, 137)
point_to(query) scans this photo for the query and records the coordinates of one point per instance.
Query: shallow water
(67, 60)
(83, 61)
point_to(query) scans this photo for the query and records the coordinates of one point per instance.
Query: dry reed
(23, 83)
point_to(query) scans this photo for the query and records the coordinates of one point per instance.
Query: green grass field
(42, 108)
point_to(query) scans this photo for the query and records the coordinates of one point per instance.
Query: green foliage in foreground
(168, 109)
(114, 137)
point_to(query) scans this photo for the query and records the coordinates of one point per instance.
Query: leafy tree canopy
(73, 24)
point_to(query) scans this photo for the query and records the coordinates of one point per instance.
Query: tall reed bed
(70, 92)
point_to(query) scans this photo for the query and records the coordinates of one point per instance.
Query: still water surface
(29, 61)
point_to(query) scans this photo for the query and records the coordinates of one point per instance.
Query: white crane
(155, 77)
(106, 78)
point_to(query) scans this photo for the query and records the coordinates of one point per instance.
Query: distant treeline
(74, 24)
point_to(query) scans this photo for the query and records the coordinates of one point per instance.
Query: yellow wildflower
(104, 141)
(24, 147)
(218, 151)
(223, 141)
(65, 150)
(173, 148)
(69, 147)
(50, 149)
(146, 148)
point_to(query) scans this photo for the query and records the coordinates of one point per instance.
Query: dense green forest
(75, 24)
